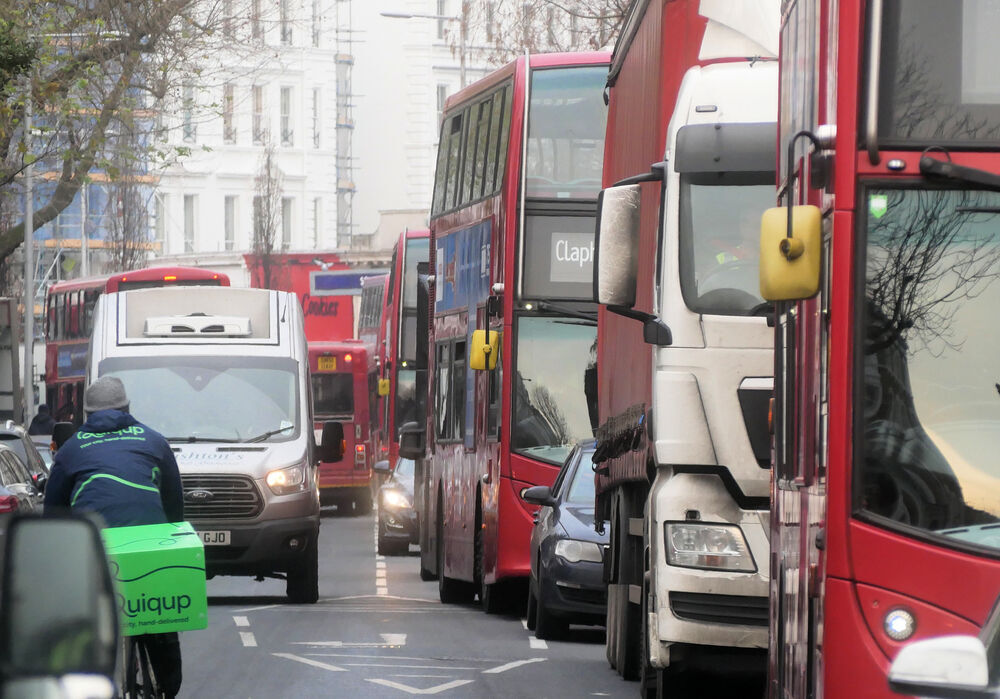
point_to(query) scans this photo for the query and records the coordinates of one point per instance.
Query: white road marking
(524, 623)
(380, 573)
(411, 667)
(389, 640)
(380, 564)
(510, 666)
(394, 639)
(379, 557)
(258, 609)
(437, 676)
(414, 690)
(382, 591)
(310, 661)
(537, 643)
(249, 641)
(241, 621)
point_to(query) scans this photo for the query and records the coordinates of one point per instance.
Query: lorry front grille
(220, 497)
(720, 609)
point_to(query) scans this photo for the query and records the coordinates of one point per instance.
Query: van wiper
(193, 439)
(947, 170)
(269, 433)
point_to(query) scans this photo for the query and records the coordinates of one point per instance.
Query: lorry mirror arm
(654, 330)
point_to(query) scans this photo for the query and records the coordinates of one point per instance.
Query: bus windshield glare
(929, 402)
(566, 123)
(195, 399)
(551, 413)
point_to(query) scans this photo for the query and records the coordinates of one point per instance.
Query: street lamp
(444, 18)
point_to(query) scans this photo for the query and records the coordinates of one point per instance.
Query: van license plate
(327, 363)
(215, 538)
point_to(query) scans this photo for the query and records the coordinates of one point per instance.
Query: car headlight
(575, 551)
(710, 546)
(284, 481)
(394, 498)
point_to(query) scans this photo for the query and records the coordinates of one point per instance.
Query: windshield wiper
(581, 315)
(269, 433)
(192, 439)
(947, 170)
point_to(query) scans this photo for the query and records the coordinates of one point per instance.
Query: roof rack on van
(196, 324)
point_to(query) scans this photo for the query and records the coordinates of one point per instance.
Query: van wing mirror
(485, 350)
(790, 254)
(57, 607)
(412, 441)
(332, 446)
(617, 246)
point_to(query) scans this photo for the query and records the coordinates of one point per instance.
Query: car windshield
(930, 413)
(551, 410)
(581, 490)
(211, 398)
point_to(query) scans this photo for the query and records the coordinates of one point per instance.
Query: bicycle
(136, 678)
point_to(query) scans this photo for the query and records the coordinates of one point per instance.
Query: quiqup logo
(153, 604)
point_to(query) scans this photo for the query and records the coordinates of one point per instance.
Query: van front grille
(220, 497)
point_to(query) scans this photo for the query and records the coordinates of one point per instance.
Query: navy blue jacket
(118, 468)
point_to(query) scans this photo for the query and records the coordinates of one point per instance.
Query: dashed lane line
(310, 661)
(537, 643)
(241, 621)
(510, 666)
(249, 640)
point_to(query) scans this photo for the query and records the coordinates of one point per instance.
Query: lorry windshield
(551, 413)
(333, 395)
(720, 240)
(191, 399)
(929, 413)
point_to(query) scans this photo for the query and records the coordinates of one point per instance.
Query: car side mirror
(332, 446)
(39, 480)
(382, 467)
(59, 560)
(538, 495)
(412, 441)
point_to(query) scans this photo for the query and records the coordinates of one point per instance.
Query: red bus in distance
(69, 309)
(339, 375)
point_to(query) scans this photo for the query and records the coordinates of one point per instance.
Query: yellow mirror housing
(484, 354)
(383, 387)
(789, 267)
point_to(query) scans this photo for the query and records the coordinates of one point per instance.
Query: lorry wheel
(302, 583)
(630, 629)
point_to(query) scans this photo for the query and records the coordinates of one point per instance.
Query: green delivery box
(159, 572)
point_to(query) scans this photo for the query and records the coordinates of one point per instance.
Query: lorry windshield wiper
(269, 433)
(193, 439)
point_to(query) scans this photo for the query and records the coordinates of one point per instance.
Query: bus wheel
(450, 591)
(490, 596)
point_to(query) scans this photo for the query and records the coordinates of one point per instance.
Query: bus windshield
(191, 399)
(930, 409)
(720, 240)
(551, 413)
(333, 395)
(566, 123)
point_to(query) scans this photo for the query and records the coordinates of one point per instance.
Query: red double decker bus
(512, 325)
(340, 391)
(886, 490)
(69, 308)
(369, 332)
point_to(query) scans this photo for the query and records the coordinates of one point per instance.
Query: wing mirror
(617, 246)
(382, 467)
(790, 252)
(538, 495)
(412, 441)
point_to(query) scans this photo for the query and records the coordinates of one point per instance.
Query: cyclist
(125, 472)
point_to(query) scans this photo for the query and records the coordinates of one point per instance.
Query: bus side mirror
(383, 387)
(941, 667)
(57, 606)
(483, 356)
(790, 257)
(616, 243)
(412, 442)
(332, 446)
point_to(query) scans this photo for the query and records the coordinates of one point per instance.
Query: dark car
(17, 438)
(19, 491)
(566, 583)
(397, 520)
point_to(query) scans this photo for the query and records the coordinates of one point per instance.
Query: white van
(223, 374)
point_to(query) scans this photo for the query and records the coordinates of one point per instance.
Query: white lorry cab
(223, 374)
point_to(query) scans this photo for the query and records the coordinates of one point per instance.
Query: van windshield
(230, 399)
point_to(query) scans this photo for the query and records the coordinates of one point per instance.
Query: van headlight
(708, 546)
(575, 551)
(285, 481)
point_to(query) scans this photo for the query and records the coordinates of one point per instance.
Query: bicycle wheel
(140, 680)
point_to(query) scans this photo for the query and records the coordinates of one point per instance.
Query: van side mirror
(790, 256)
(616, 245)
(412, 441)
(332, 446)
(383, 388)
(57, 607)
(485, 350)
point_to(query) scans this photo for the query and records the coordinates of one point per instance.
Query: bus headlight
(575, 551)
(708, 546)
(285, 481)
(899, 624)
(395, 499)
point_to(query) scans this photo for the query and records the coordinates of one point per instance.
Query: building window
(317, 23)
(256, 29)
(228, 104)
(230, 222)
(317, 221)
(258, 114)
(227, 19)
(286, 222)
(285, 22)
(189, 206)
(190, 131)
(160, 211)
(286, 117)
(442, 10)
(316, 116)
(442, 96)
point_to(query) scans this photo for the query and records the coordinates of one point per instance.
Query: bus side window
(74, 314)
(89, 302)
(460, 403)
